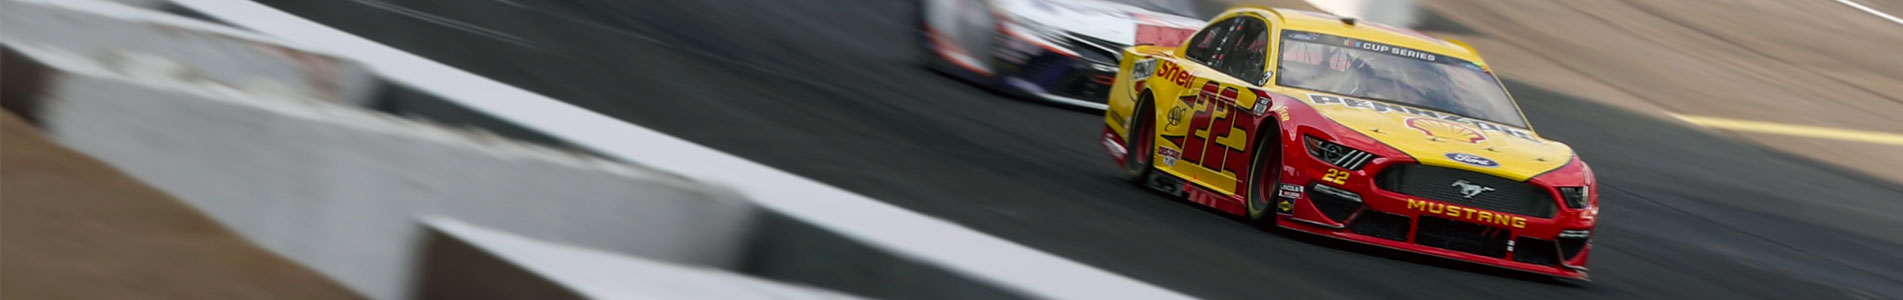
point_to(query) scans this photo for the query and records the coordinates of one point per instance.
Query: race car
(1354, 130)
(1062, 51)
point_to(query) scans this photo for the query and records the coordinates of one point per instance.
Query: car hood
(1108, 21)
(1441, 139)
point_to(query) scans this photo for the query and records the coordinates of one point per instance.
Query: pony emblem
(1469, 190)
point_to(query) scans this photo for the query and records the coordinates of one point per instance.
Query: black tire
(1140, 141)
(1264, 180)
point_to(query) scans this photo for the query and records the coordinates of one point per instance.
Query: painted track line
(452, 23)
(1873, 11)
(1794, 130)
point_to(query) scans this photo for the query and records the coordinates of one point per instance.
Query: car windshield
(1363, 69)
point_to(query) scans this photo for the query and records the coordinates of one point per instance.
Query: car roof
(1325, 23)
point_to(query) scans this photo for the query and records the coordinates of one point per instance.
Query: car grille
(1461, 236)
(1044, 69)
(1535, 251)
(1336, 208)
(1439, 184)
(1570, 247)
(1084, 82)
(1095, 49)
(1466, 237)
(1382, 225)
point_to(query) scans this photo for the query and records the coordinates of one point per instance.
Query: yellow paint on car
(1179, 85)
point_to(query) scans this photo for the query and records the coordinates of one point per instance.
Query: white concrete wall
(595, 274)
(338, 188)
(1403, 13)
(125, 38)
(143, 3)
(918, 239)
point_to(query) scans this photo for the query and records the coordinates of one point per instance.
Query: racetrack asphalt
(833, 90)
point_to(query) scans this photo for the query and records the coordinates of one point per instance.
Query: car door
(1206, 133)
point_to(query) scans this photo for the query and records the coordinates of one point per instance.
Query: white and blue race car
(1063, 51)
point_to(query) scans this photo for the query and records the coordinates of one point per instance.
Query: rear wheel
(1140, 142)
(1265, 172)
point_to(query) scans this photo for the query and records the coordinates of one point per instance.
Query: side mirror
(1264, 80)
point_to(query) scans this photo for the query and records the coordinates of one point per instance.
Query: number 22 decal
(1336, 176)
(1213, 116)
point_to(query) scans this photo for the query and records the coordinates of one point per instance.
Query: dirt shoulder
(74, 228)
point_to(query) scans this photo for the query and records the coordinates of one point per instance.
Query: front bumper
(1381, 218)
(1356, 210)
(1572, 272)
(1059, 71)
(1059, 78)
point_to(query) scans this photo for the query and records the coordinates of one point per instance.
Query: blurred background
(823, 149)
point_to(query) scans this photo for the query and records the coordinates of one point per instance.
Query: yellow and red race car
(1353, 130)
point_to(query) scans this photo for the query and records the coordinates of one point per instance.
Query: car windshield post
(1377, 71)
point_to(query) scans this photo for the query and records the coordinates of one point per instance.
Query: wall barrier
(299, 170)
(1403, 13)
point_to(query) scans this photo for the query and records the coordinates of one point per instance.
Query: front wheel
(1140, 141)
(1264, 181)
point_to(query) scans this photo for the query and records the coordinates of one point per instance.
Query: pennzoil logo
(1467, 213)
(1443, 129)
(1384, 107)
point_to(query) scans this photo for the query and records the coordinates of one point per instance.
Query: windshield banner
(1396, 51)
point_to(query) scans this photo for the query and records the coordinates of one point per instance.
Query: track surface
(831, 89)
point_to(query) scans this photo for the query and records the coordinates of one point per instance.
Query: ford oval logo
(1472, 160)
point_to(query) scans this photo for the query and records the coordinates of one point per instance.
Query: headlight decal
(1336, 154)
(1576, 197)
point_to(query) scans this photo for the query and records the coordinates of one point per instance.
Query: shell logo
(1446, 129)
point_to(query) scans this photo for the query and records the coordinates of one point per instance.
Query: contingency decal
(1384, 107)
(1170, 155)
(1290, 191)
